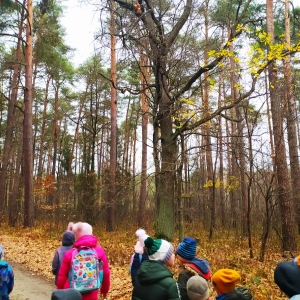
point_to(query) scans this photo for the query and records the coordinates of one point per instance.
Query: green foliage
(66, 152)
(8, 10)
(50, 48)
(224, 13)
(7, 5)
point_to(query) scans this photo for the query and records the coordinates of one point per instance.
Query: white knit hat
(160, 250)
(139, 246)
(80, 229)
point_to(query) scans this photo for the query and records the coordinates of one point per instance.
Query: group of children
(151, 278)
(149, 269)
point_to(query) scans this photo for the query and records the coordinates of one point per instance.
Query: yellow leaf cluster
(259, 57)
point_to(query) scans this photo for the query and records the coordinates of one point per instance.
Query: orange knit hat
(224, 280)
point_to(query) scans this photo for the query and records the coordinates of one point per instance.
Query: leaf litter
(21, 244)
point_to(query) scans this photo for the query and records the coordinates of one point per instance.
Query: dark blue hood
(68, 238)
(202, 264)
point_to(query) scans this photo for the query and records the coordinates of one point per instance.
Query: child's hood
(68, 238)
(87, 241)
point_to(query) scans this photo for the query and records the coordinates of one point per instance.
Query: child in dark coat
(68, 240)
(155, 280)
(287, 277)
(139, 254)
(224, 282)
(6, 277)
(191, 266)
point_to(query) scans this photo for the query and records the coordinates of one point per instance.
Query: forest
(184, 120)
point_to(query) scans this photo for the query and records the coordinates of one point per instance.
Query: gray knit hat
(68, 294)
(197, 288)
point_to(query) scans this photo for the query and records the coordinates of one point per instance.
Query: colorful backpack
(86, 271)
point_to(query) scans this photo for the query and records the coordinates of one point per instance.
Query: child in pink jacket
(84, 237)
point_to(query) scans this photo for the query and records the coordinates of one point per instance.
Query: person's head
(224, 280)
(186, 250)
(80, 229)
(197, 288)
(68, 238)
(160, 250)
(139, 246)
(287, 277)
(1, 252)
(67, 294)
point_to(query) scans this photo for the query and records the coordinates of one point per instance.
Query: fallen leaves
(35, 250)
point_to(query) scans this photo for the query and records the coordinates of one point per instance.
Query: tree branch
(182, 20)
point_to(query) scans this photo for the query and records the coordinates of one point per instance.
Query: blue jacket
(7, 280)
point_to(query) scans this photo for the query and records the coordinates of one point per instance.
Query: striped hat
(187, 248)
(159, 250)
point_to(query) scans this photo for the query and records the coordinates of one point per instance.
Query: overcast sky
(81, 22)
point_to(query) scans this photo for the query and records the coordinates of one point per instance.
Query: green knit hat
(160, 250)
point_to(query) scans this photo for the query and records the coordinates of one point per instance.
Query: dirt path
(30, 286)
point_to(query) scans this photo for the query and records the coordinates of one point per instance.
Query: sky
(80, 22)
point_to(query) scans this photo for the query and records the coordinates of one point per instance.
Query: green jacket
(155, 281)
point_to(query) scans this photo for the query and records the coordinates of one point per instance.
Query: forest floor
(31, 253)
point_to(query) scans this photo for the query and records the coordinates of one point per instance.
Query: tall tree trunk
(166, 191)
(42, 134)
(52, 196)
(110, 222)
(55, 133)
(144, 79)
(13, 207)
(126, 139)
(10, 122)
(283, 183)
(208, 149)
(291, 122)
(27, 135)
(75, 139)
(180, 199)
(239, 146)
(220, 146)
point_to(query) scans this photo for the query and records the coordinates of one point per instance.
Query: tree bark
(291, 122)
(10, 122)
(13, 206)
(144, 79)
(27, 135)
(283, 183)
(110, 222)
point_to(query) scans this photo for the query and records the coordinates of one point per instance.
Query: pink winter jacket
(63, 280)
